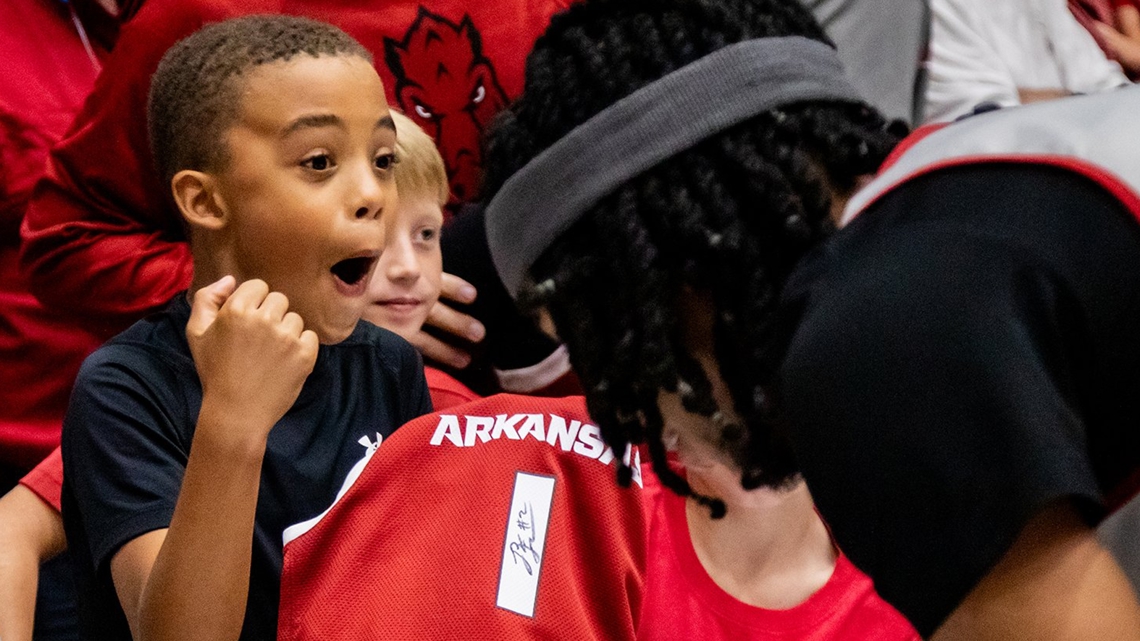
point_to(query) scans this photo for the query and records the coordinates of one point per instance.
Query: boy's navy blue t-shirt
(127, 435)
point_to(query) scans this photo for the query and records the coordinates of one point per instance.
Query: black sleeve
(407, 375)
(965, 353)
(420, 402)
(124, 459)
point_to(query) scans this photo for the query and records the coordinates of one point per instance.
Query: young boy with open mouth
(195, 437)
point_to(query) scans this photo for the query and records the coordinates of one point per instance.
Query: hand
(1125, 42)
(1029, 96)
(444, 317)
(252, 354)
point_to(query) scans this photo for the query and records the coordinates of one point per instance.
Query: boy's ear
(198, 200)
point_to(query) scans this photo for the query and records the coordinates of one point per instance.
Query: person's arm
(191, 581)
(1056, 582)
(31, 532)
(100, 235)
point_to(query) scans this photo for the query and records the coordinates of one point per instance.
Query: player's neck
(770, 550)
(840, 198)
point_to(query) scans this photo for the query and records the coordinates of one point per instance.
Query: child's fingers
(207, 302)
(309, 346)
(275, 305)
(293, 324)
(249, 295)
(1128, 21)
(434, 349)
(455, 288)
(455, 322)
(1125, 48)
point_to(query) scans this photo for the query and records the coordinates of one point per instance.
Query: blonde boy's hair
(420, 172)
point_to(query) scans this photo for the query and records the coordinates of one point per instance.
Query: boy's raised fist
(252, 354)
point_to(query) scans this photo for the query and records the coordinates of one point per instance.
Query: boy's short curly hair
(194, 91)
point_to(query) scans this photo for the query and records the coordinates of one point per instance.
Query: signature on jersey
(522, 549)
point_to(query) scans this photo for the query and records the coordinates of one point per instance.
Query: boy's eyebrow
(330, 120)
(313, 121)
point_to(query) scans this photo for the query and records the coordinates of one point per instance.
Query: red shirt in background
(682, 601)
(47, 74)
(46, 479)
(446, 392)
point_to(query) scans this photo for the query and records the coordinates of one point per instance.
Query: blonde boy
(409, 274)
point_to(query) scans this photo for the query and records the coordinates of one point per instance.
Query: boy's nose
(372, 195)
(401, 259)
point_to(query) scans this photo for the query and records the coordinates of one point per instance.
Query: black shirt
(964, 352)
(127, 434)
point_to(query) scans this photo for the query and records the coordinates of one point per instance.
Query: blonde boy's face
(406, 282)
(306, 185)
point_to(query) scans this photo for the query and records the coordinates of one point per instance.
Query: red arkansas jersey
(499, 519)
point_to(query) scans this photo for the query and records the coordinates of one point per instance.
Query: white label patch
(526, 537)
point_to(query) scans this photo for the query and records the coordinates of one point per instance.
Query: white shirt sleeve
(985, 50)
(964, 67)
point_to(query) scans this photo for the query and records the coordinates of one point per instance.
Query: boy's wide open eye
(384, 162)
(317, 162)
(427, 235)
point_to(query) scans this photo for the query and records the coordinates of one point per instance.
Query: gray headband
(652, 124)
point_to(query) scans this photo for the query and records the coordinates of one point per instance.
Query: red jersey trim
(1108, 180)
(915, 137)
(46, 479)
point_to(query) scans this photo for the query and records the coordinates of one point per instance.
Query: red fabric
(415, 548)
(46, 479)
(100, 235)
(446, 392)
(46, 75)
(683, 602)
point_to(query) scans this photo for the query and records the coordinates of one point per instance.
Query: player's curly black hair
(194, 93)
(729, 217)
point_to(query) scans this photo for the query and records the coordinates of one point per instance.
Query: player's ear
(196, 195)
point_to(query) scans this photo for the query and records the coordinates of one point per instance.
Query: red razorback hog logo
(446, 84)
